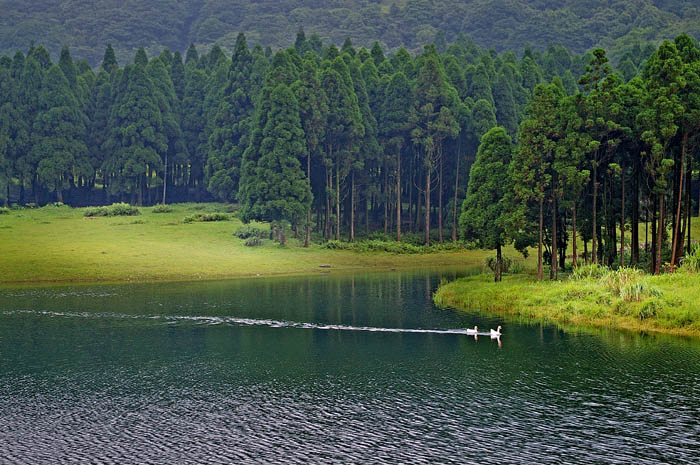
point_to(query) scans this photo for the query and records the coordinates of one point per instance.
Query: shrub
(4, 211)
(637, 291)
(116, 209)
(248, 230)
(253, 242)
(615, 280)
(592, 271)
(649, 308)
(506, 263)
(691, 262)
(162, 209)
(206, 217)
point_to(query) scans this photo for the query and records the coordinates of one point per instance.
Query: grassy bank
(667, 303)
(60, 244)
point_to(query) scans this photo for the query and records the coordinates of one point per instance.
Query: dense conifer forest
(579, 25)
(545, 147)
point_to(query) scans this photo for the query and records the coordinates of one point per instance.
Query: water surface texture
(321, 370)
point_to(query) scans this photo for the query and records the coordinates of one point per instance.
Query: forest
(503, 25)
(345, 142)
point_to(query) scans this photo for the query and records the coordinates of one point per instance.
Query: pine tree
(177, 75)
(109, 62)
(58, 134)
(483, 212)
(194, 127)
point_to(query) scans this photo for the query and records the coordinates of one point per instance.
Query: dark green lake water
(318, 369)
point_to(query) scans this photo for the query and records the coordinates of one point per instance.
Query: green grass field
(58, 244)
(587, 302)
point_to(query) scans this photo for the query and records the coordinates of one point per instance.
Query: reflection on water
(323, 369)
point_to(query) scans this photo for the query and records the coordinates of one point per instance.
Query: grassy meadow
(60, 244)
(668, 303)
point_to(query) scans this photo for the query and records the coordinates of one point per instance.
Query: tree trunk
(553, 274)
(595, 213)
(440, 203)
(427, 206)
(337, 202)
(386, 201)
(398, 195)
(499, 264)
(454, 207)
(165, 178)
(659, 234)
(585, 252)
(573, 223)
(539, 244)
(59, 195)
(677, 222)
(689, 185)
(622, 220)
(307, 236)
(352, 207)
(634, 253)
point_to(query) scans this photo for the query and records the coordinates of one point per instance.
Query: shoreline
(571, 303)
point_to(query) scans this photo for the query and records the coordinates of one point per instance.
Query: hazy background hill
(87, 25)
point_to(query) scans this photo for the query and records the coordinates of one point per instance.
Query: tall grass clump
(160, 208)
(248, 231)
(691, 262)
(206, 217)
(4, 211)
(592, 271)
(615, 280)
(116, 209)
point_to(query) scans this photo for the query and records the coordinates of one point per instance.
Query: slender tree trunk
(398, 195)
(595, 213)
(440, 203)
(539, 244)
(499, 263)
(689, 185)
(427, 206)
(352, 206)
(554, 271)
(59, 195)
(674, 249)
(659, 234)
(165, 178)
(386, 201)
(337, 202)
(573, 223)
(622, 220)
(454, 207)
(585, 252)
(653, 233)
(634, 255)
(307, 236)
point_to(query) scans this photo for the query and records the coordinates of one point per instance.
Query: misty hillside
(86, 26)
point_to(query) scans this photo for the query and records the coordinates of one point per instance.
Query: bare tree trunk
(440, 201)
(622, 220)
(427, 206)
(554, 271)
(595, 213)
(307, 236)
(689, 185)
(386, 201)
(499, 263)
(539, 245)
(337, 202)
(678, 207)
(165, 178)
(352, 207)
(398, 195)
(573, 221)
(454, 207)
(659, 234)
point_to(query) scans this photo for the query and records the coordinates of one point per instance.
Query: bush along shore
(592, 295)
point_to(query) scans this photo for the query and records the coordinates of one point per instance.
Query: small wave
(230, 320)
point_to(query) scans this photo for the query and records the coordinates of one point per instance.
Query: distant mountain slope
(87, 25)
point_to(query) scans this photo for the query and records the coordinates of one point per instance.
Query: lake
(319, 369)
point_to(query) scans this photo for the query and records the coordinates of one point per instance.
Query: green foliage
(206, 217)
(116, 209)
(691, 262)
(248, 231)
(253, 242)
(592, 271)
(5, 211)
(162, 209)
(492, 262)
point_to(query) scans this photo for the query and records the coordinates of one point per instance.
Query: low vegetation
(51, 244)
(116, 209)
(206, 217)
(592, 295)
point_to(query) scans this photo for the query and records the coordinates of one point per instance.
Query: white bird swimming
(496, 332)
(473, 331)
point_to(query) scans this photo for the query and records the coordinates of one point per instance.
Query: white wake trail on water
(230, 320)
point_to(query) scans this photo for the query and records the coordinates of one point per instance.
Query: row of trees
(595, 164)
(380, 143)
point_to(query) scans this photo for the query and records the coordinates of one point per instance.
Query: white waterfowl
(473, 331)
(496, 332)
